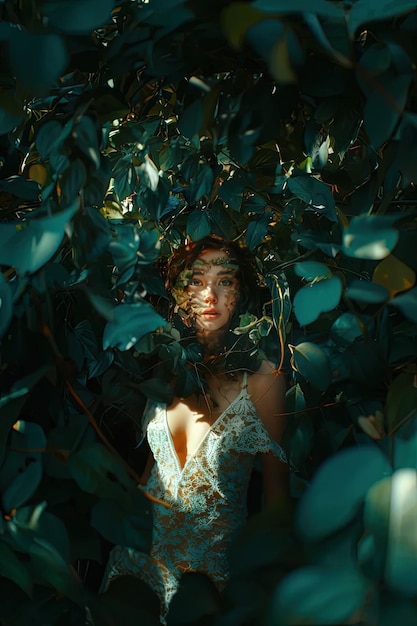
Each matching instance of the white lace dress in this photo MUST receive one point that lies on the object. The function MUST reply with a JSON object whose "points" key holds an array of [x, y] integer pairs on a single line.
{"points": [[207, 498]]}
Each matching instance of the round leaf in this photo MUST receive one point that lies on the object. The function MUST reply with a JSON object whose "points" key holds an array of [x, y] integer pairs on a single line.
{"points": [[394, 275], [345, 330], [337, 490], [312, 300], [370, 237], [407, 303], [29, 244], [77, 16], [198, 225], [132, 530], [365, 291], [130, 323], [14, 569], [37, 60], [312, 363], [401, 564], [309, 270], [312, 595]]}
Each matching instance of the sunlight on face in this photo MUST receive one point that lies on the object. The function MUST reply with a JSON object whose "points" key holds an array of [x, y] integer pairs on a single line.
{"points": [[211, 290]]}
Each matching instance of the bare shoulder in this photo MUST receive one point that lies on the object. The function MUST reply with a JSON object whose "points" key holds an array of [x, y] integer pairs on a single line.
{"points": [[267, 389], [265, 379]]}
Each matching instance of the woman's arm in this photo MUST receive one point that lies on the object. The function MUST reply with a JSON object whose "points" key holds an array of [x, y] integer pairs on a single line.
{"points": [[267, 389]]}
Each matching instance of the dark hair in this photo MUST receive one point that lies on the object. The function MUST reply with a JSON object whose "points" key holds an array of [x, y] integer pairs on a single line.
{"points": [[233, 352]]}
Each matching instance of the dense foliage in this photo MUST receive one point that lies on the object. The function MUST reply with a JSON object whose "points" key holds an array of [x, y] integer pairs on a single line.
{"points": [[126, 126]]}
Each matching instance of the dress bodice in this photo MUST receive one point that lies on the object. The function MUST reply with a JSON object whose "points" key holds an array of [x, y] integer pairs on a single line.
{"points": [[206, 497]]}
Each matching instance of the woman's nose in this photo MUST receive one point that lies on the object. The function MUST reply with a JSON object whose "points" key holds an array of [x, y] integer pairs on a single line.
{"points": [[210, 295]]}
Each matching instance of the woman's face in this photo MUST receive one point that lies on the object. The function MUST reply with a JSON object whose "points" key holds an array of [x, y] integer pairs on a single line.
{"points": [[213, 290]]}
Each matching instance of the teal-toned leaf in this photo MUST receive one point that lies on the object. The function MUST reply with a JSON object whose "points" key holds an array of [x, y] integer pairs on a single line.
{"points": [[23, 486], [129, 324], [8, 121], [405, 444], [321, 7], [312, 363], [77, 16], [338, 489], [98, 471], [21, 187], [367, 291], [231, 192], [365, 11], [317, 241], [50, 568], [380, 117], [37, 60], [6, 305], [257, 230], [401, 564], [309, 270], [370, 237], [407, 303], [131, 529], [86, 135], [27, 245], [401, 401], [314, 595], [316, 195], [49, 137], [14, 569], [74, 179], [202, 184], [346, 329], [376, 60], [190, 121], [149, 246], [312, 300], [198, 225], [396, 610], [21, 472]]}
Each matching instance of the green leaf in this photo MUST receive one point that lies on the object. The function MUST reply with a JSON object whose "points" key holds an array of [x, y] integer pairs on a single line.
{"points": [[37, 60], [367, 291], [98, 471], [21, 187], [365, 11], [129, 324], [310, 270], [321, 7], [128, 600], [50, 568], [190, 121], [316, 195], [338, 489], [312, 300], [346, 329], [312, 363], [197, 598], [131, 529], [257, 230], [6, 305], [198, 225], [77, 16], [401, 401], [370, 236], [314, 595], [401, 564], [14, 569], [407, 303], [27, 245]]}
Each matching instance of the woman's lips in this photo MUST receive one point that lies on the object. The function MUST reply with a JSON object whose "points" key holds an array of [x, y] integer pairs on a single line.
{"points": [[210, 313]]}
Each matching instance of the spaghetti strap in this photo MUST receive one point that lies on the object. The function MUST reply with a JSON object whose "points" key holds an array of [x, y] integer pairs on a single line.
{"points": [[245, 380]]}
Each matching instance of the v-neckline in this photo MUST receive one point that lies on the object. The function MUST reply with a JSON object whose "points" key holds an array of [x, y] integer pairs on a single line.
{"points": [[180, 467]]}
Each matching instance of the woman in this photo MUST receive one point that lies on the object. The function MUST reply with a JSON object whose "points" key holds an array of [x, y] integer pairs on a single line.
{"points": [[203, 446]]}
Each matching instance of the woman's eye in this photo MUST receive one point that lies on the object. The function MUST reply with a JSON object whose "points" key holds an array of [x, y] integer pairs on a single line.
{"points": [[195, 282], [226, 282]]}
